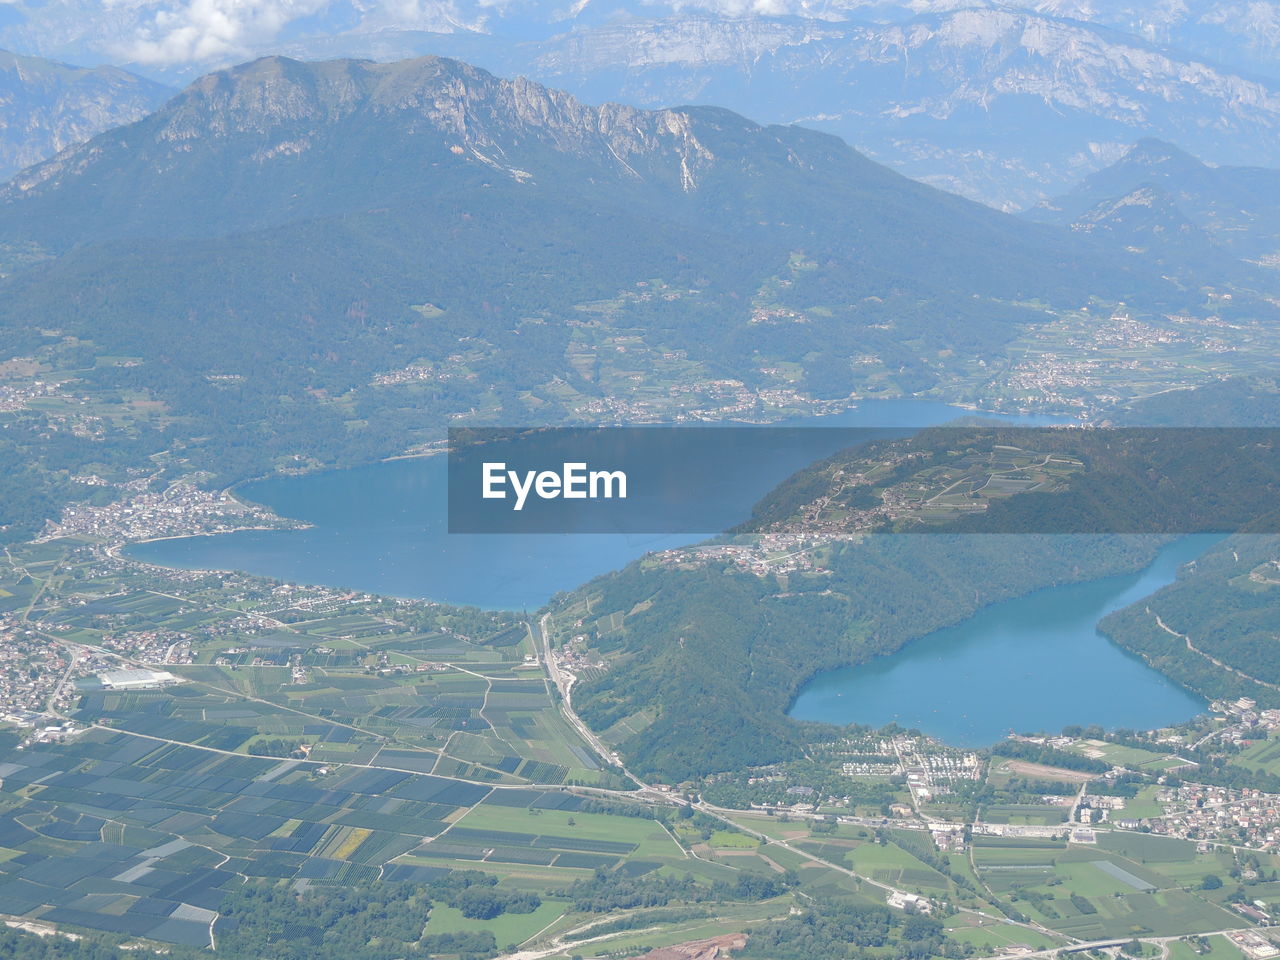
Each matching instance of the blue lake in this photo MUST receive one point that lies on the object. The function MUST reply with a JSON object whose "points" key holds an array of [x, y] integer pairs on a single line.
{"points": [[1036, 663], [383, 528]]}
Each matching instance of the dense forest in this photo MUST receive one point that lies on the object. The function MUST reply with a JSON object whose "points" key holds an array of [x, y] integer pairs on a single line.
{"points": [[21, 945], [1226, 605], [265, 921], [842, 930], [1234, 402], [605, 891], [380, 921]]}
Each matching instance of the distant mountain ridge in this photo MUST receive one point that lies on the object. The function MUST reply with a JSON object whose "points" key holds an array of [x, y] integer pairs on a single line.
{"points": [[1241, 34], [1163, 200], [998, 104], [1003, 102], [278, 122], [47, 106], [278, 112]]}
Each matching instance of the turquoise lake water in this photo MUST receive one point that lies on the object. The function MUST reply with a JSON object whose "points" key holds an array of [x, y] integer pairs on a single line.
{"points": [[1036, 663]]}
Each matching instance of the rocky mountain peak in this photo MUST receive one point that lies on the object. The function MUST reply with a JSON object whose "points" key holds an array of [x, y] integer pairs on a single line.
{"points": [[430, 93], [282, 108], [1169, 158]]}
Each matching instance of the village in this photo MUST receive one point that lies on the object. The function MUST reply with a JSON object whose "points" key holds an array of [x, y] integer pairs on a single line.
{"points": [[180, 509], [1211, 814], [31, 672]]}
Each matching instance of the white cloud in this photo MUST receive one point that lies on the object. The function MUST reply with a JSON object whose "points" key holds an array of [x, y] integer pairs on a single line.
{"points": [[210, 30], [735, 8], [442, 15], [410, 14]]}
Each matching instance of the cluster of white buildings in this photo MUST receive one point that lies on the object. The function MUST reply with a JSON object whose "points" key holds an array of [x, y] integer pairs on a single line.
{"points": [[932, 770], [180, 510], [1254, 945], [137, 679], [424, 373], [31, 668], [14, 397], [152, 646], [911, 902], [763, 554], [1244, 712]]}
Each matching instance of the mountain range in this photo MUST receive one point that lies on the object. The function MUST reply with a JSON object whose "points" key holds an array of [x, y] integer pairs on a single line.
{"points": [[1006, 103], [1242, 34], [534, 255], [998, 104]]}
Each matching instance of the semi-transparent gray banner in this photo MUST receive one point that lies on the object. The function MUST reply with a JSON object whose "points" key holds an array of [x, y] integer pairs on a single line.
{"points": [[717, 479]]}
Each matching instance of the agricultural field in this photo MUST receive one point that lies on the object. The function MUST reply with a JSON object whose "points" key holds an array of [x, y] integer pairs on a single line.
{"points": [[113, 824], [1119, 754], [993, 935], [311, 739], [591, 941], [1219, 948], [127, 834], [1041, 815], [508, 928], [1127, 885], [891, 864], [1144, 804], [427, 688], [1263, 756], [1087, 353]]}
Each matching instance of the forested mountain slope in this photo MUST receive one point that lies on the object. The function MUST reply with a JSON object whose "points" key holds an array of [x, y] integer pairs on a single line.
{"points": [[281, 234], [1214, 629]]}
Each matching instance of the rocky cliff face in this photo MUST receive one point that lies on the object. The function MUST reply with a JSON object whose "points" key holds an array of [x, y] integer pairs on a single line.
{"points": [[1244, 34], [46, 106], [445, 96]]}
